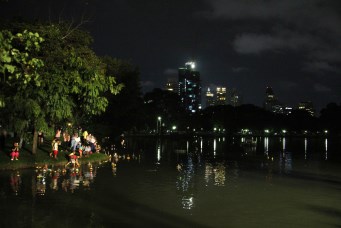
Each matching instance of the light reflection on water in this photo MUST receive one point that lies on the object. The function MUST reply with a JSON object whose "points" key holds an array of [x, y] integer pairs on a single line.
{"points": [[214, 176], [326, 148]]}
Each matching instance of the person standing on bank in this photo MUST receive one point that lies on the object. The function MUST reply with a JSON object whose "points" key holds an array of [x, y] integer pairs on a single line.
{"points": [[15, 152], [55, 144], [58, 133]]}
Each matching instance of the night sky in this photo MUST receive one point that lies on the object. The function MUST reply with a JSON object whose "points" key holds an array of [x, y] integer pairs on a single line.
{"points": [[294, 46]]}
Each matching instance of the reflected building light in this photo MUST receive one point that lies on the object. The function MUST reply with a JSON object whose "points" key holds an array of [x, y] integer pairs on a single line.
{"points": [[266, 146], [223, 139], [187, 146], [283, 142], [187, 202], [208, 172], [305, 148], [214, 147], [242, 139], [158, 153], [326, 147], [185, 184], [219, 175], [201, 143]]}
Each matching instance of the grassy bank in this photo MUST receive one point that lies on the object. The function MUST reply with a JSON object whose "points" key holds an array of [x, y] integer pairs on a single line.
{"points": [[28, 160]]}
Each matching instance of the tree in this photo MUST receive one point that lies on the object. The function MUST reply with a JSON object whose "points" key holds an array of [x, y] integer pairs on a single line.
{"points": [[68, 84], [20, 73], [167, 105], [330, 118], [124, 112]]}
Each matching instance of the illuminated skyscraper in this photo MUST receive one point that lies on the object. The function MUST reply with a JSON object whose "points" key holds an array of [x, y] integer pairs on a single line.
{"points": [[172, 85], [221, 96], [190, 87], [210, 101], [234, 98], [308, 106], [270, 99]]}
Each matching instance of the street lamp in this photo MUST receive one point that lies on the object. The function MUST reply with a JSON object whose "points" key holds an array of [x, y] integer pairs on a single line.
{"points": [[158, 125]]}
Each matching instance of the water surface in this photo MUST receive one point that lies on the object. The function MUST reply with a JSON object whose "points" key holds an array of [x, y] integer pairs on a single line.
{"points": [[194, 182]]}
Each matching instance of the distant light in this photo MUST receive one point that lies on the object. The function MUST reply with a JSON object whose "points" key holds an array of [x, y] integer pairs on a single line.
{"points": [[284, 131], [245, 131], [174, 127], [159, 117], [192, 64], [326, 131], [266, 131]]}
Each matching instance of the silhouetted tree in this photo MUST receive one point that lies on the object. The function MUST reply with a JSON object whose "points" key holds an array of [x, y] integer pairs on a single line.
{"points": [[165, 104]]}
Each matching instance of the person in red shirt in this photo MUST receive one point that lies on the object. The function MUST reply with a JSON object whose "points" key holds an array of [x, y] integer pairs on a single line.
{"points": [[55, 144], [73, 160], [15, 152]]}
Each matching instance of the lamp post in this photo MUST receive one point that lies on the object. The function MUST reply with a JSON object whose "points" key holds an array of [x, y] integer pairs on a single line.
{"points": [[158, 125]]}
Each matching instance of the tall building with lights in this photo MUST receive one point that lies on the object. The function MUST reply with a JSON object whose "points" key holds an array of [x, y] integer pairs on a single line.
{"points": [[307, 106], [270, 101], [221, 96], [172, 85], [234, 98], [210, 100], [190, 87]]}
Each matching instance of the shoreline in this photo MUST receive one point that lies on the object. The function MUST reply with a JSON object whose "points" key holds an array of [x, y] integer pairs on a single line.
{"points": [[25, 164], [28, 160]]}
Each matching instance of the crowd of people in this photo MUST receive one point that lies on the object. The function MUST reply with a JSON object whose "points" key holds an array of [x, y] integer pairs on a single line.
{"points": [[80, 143]]}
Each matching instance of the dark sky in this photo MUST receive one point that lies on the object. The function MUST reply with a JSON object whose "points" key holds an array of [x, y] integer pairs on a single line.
{"points": [[294, 46]]}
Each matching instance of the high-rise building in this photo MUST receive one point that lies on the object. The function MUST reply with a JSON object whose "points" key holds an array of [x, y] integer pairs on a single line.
{"points": [[234, 98], [172, 85], [221, 96], [190, 87], [210, 101], [308, 106], [287, 110], [270, 99]]}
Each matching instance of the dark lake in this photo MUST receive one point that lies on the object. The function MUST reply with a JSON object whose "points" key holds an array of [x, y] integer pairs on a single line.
{"points": [[186, 182]]}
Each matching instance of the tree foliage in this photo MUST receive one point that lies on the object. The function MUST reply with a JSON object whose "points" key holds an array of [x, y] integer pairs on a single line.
{"points": [[167, 105], [50, 76], [124, 112], [20, 71]]}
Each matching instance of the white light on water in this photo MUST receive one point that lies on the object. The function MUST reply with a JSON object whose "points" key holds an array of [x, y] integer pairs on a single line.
{"points": [[201, 143], [305, 148], [214, 147], [326, 147], [266, 145]]}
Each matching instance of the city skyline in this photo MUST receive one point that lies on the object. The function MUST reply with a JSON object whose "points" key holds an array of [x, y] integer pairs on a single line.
{"points": [[292, 46], [222, 95]]}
